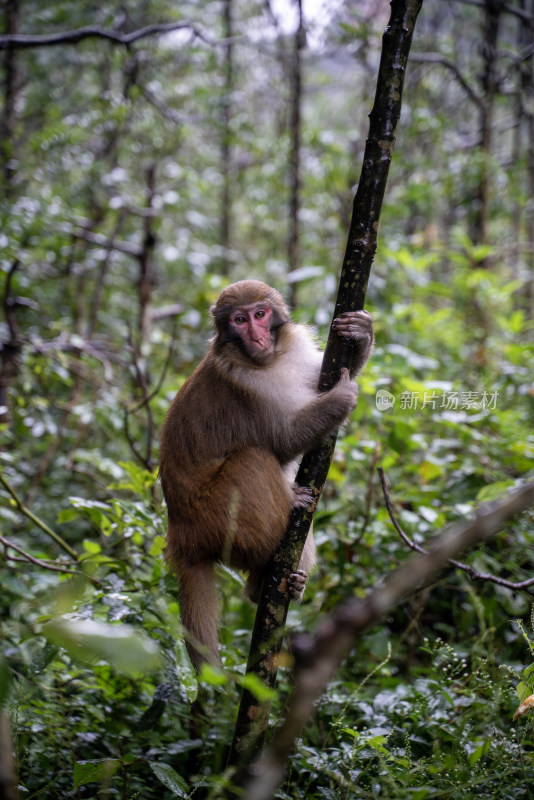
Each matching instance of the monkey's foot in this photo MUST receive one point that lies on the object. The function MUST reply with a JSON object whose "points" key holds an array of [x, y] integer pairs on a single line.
{"points": [[303, 496], [296, 584]]}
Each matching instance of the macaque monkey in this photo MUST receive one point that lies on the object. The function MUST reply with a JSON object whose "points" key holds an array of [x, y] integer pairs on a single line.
{"points": [[230, 444]]}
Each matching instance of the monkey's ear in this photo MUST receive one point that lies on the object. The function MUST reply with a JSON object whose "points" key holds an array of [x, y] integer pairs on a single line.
{"points": [[212, 310]]}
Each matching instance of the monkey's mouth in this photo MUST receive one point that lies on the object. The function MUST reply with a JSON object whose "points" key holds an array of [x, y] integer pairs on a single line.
{"points": [[260, 350]]}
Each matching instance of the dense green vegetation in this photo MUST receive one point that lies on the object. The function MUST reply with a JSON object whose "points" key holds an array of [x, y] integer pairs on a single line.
{"points": [[138, 179]]}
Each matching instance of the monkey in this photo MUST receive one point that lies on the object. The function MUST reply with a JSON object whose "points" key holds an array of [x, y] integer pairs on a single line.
{"points": [[230, 445]]}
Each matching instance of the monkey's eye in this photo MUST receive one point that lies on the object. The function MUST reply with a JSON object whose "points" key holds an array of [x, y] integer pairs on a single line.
{"points": [[259, 314], [239, 319]]}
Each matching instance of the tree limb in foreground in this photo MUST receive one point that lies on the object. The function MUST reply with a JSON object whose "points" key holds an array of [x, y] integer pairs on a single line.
{"points": [[318, 656]]}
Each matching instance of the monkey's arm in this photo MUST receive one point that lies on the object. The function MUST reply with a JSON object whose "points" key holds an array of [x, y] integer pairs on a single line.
{"points": [[357, 326], [310, 424]]}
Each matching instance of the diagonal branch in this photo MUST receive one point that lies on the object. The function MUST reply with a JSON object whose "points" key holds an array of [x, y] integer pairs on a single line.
{"points": [[471, 571], [318, 656], [9, 545]]}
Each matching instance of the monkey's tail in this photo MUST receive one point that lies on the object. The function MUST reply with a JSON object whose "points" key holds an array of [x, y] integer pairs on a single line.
{"points": [[199, 611]]}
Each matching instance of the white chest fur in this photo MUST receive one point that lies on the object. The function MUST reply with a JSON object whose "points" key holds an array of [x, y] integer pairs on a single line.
{"points": [[290, 382]]}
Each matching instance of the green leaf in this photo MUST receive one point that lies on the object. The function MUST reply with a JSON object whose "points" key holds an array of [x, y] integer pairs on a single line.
{"points": [[170, 778], [523, 691], [480, 751], [494, 490], [257, 688], [140, 479], [92, 509], [428, 471], [122, 646], [91, 547], [516, 321], [377, 742], [158, 546], [98, 770], [211, 675], [334, 474]]}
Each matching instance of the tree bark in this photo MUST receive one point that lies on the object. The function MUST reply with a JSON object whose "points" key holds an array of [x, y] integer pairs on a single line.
{"points": [[271, 615], [8, 784]]}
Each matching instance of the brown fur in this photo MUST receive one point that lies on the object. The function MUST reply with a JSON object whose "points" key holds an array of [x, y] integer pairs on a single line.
{"points": [[228, 434]]}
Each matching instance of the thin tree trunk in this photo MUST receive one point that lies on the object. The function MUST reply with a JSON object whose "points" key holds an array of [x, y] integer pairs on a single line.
{"points": [[146, 278], [226, 143], [293, 244], [490, 34], [526, 119], [7, 119], [10, 348], [8, 784], [268, 631]]}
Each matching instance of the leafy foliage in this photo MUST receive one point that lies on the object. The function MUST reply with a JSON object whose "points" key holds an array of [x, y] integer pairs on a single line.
{"points": [[111, 213]]}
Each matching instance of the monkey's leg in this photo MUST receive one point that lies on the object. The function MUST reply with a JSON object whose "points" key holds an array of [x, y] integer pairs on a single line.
{"points": [[302, 498], [264, 503]]}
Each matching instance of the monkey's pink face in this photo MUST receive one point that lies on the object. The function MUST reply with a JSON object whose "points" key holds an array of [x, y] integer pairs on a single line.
{"points": [[253, 325]]}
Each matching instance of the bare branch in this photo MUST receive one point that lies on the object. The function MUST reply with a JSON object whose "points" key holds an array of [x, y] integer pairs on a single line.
{"points": [[8, 544], [148, 397], [39, 522], [96, 32], [162, 312], [437, 58], [94, 305], [471, 571], [102, 241], [520, 13]]}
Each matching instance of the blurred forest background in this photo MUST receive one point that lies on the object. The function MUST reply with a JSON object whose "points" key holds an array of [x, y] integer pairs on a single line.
{"points": [[140, 174]]}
